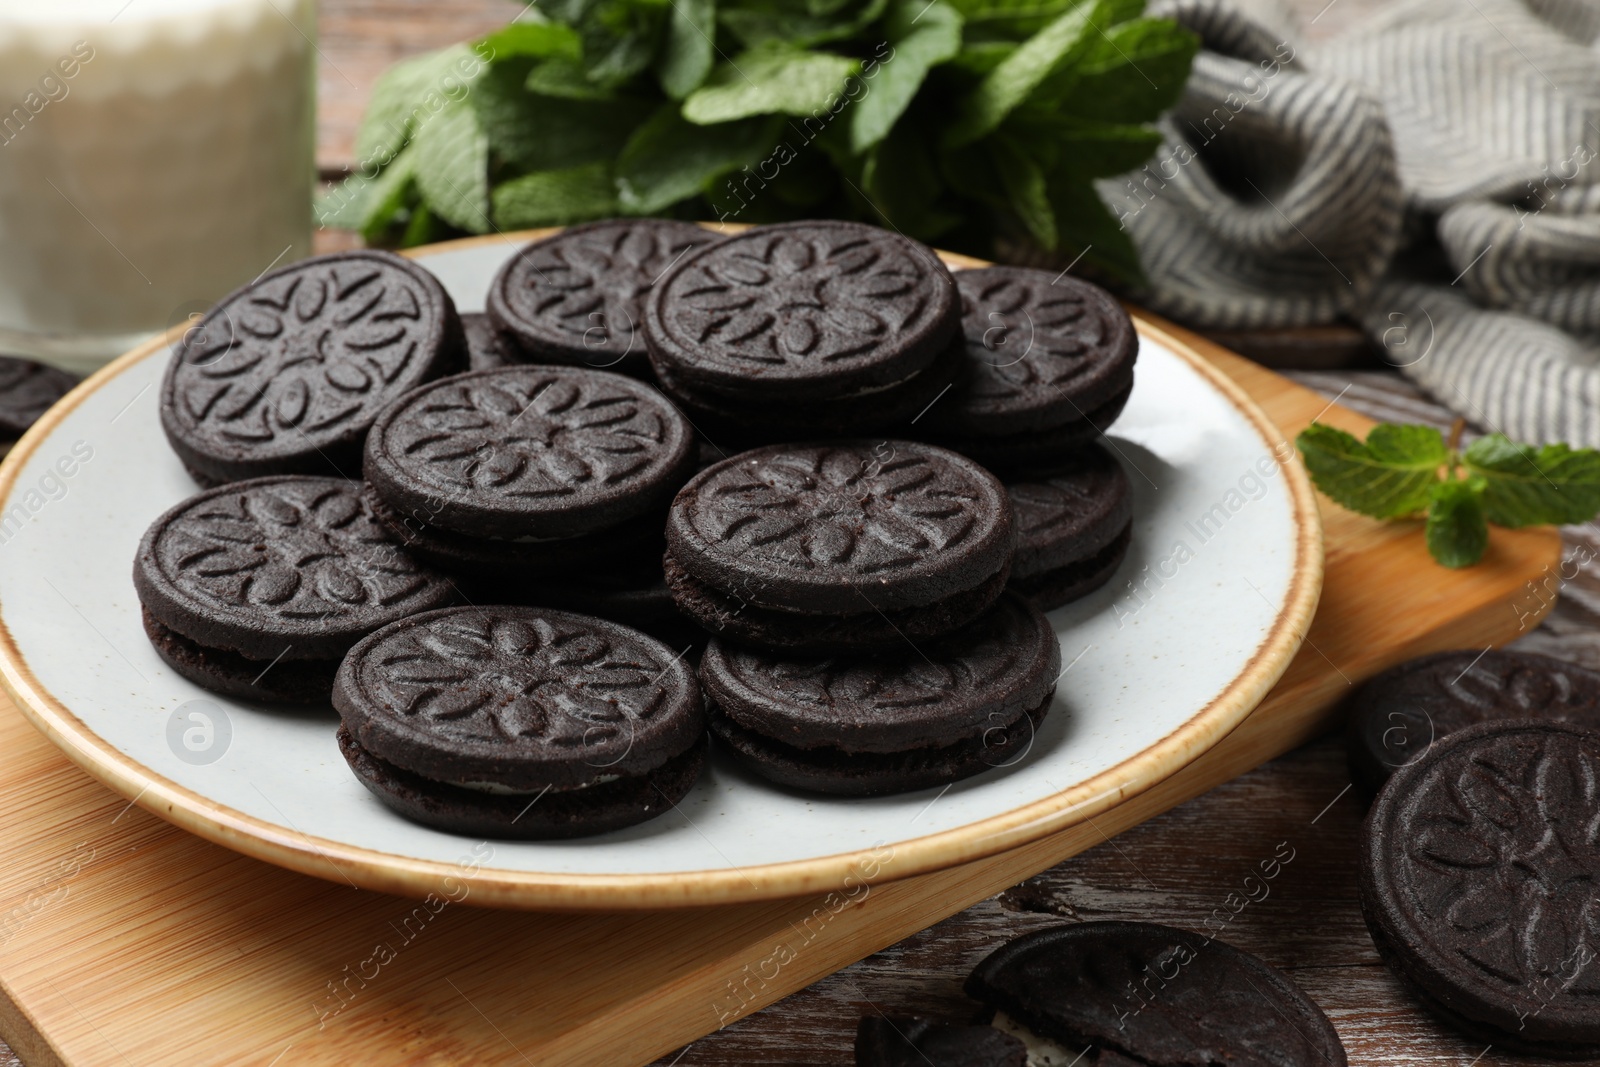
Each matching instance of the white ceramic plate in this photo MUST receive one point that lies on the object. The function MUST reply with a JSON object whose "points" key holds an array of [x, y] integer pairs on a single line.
{"points": [[1201, 620]]}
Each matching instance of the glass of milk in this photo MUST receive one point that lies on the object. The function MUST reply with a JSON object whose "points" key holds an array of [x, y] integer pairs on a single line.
{"points": [[154, 155]]}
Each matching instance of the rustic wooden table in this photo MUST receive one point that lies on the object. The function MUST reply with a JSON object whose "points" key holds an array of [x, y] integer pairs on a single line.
{"points": [[1177, 868]]}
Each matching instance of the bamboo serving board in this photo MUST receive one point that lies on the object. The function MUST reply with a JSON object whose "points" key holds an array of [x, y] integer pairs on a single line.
{"points": [[125, 940]]}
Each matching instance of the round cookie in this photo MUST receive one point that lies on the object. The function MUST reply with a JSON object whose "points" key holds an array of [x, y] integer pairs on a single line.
{"points": [[1021, 457], [486, 349], [530, 452], [285, 375], [838, 545], [909, 1041], [1042, 352], [520, 722], [578, 297], [800, 312], [1153, 994], [1478, 870], [1397, 715], [910, 718], [27, 389], [1073, 529], [258, 588]]}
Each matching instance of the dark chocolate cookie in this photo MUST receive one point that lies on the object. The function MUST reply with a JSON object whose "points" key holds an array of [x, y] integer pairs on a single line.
{"points": [[802, 311], [1155, 995], [1073, 529], [810, 547], [530, 452], [1042, 352], [486, 349], [285, 572], [27, 389], [1030, 456], [285, 375], [910, 718], [1399, 714], [909, 1041], [1479, 870], [578, 297], [471, 719]]}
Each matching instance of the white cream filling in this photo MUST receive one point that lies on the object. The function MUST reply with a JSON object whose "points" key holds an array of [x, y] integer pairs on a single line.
{"points": [[1042, 1052], [507, 791]]}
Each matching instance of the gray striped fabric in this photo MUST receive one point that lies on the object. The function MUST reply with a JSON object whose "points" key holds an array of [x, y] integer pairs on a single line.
{"points": [[1464, 132]]}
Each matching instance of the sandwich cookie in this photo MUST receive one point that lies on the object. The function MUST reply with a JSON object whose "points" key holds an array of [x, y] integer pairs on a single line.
{"points": [[840, 546], [285, 375], [530, 471], [1073, 529], [906, 719], [804, 328], [909, 1041], [518, 722], [27, 390], [258, 588], [1478, 870], [485, 347], [1397, 715], [578, 297], [1049, 365], [1138, 993]]}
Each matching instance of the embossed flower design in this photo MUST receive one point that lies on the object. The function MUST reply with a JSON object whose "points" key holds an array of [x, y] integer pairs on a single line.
{"points": [[478, 678], [594, 286], [308, 352], [538, 437], [303, 553], [1018, 337], [797, 299], [841, 508], [1508, 857]]}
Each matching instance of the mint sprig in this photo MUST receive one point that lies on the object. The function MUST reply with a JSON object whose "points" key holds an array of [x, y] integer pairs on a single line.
{"points": [[975, 124], [1404, 470]]}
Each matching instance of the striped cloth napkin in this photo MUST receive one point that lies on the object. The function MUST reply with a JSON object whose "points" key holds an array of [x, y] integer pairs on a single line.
{"points": [[1433, 174]]}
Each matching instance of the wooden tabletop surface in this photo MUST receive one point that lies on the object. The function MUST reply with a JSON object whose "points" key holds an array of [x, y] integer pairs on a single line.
{"points": [[1178, 868]]}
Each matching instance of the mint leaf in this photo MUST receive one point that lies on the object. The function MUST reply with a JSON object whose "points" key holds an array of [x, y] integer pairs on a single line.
{"points": [[408, 94], [542, 133], [1027, 191], [1083, 150], [1087, 227], [687, 52], [541, 39], [452, 167], [1390, 476], [901, 180], [922, 35], [669, 159], [1528, 486], [1456, 532], [1132, 73], [761, 24], [1019, 18], [1016, 77], [555, 198], [773, 80], [371, 205], [564, 79]]}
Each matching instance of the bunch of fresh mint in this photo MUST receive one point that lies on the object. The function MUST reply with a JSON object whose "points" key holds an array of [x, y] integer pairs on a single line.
{"points": [[1401, 471], [956, 121]]}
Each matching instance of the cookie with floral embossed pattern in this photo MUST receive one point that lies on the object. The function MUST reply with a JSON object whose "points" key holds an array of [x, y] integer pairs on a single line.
{"points": [[27, 389], [903, 719], [578, 297], [520, 722], [257, 588], [839, 545], [834, 325], [1129, 993], [1397, 715], [285, 375], [1480, 883], [1073, 529]]}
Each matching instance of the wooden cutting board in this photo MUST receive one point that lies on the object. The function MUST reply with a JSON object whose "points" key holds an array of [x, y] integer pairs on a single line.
{"points": [[124, 940]]}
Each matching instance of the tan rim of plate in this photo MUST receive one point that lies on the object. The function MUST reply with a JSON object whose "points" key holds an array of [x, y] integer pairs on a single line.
{"points": [[381, 871]]}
